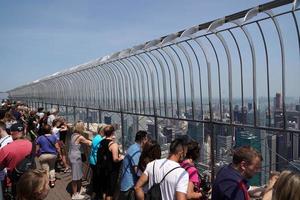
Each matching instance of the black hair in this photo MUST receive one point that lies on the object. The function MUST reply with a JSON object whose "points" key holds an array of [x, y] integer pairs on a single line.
{"points": [[177, 145], [140, 135], [193, 151]]}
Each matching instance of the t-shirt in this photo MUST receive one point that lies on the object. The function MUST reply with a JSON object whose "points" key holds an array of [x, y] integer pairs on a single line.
{"points": [[94, 149], [193, 173], [227, 185], [50, 119], [47, 146], [3, 142], [56, 132], [13, 153], [176, 181], [128, 176]]}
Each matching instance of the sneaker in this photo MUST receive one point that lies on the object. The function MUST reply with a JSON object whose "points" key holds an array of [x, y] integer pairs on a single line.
{"points": [[82, 190], [77, 196]]}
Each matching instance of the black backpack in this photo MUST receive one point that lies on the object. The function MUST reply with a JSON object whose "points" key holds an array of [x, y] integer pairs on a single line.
{"points": [[154, 193], [26, 164]]}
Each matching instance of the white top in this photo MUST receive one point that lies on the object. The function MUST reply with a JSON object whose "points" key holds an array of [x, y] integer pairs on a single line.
{"points": [[175, 181], [50, 119], [40, 114], [4, 141]]}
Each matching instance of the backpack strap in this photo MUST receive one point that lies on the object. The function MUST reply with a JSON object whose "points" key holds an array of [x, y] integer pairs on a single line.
{"points": [[168, 173], [242, 186]]}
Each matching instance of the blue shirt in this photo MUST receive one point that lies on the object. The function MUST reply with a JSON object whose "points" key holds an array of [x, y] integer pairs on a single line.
{"points": [[94, 149], [129, 177], [227, 185], [47, 144]]}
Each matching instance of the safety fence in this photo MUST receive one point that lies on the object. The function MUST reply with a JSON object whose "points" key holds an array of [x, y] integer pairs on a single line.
{"points": [[225, 83]]}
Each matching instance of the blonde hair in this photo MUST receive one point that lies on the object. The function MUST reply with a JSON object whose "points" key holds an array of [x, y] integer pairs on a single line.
{"points": [[32, 184], [79, 127], [287, 186]]}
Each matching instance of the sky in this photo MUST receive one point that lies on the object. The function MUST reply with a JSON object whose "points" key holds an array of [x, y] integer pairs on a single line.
{"points": [[39, 38]]}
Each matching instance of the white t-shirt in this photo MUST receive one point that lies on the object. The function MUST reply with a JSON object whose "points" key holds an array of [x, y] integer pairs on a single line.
{"points": [[4, 141], [50, 119], [56, 132], [175, 181]]}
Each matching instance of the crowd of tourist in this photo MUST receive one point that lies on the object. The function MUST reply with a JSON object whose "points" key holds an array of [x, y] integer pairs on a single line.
{"points": [[138, 173]]}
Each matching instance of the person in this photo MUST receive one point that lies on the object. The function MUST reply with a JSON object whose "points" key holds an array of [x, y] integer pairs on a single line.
{"points": [[4, 140], [93, 159], [232, 180], [151, 151], [47, 148], [175, 182], [32, 124], [9, 119], [13, 153], [130, 165], [52, 116], [33, 185], [267, 192], [77, 140], [287, 186], [108, 174], [193, 153]]}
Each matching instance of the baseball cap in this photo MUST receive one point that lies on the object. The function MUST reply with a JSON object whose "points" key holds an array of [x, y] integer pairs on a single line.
{"points": [[17, 127]]}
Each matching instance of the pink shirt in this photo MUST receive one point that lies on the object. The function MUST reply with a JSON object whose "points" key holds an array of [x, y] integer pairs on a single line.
{"points": [[193, 173], [13, 153]]}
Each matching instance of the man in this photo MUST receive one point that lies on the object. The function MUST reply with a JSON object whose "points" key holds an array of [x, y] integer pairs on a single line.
{"points": [[4, 140], [232, 180], [129, 168], [175, 184], [15, 152]]}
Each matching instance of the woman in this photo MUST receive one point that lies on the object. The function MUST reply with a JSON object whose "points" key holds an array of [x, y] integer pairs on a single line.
{"points": [[75, 159], [287, 186], [47, 148], [99, 136], [151, 151], [188, 164], [33, 185], [108, 174]]}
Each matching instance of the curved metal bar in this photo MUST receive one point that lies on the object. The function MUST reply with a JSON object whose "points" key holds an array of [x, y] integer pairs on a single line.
{"points": [[101, 83], [152, 86], [297, 29], [109, 91], [93, 89], [268, 74], [163, 80], [219, 76], [139, 59], [199, 74], [133, 85], [123, 85], [183, 75], [181, 47], [275, 22], [88, 83], [158, 82], [174, 65], [170, 81], [140, 81], [208, 76], [114, 87]]}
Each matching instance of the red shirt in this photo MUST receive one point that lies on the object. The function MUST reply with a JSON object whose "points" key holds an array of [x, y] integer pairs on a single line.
{"points": [[13, 153]]}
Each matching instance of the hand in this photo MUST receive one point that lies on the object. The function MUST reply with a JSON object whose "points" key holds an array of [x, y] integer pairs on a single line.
{"points": [[121, 157]]}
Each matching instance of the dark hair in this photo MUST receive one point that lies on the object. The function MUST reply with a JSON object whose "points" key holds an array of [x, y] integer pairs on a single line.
{"points": [[177, 145], [46, 129], [40, 109], [108, 130], [140, 135], [150, 152], [245, 153], [193, 151]]}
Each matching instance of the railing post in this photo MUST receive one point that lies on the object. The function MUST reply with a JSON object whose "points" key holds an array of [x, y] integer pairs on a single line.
{"points": [[212, 152], [122, 131], [67, 113], [74, 114], [100, 116], [87, 118]]}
